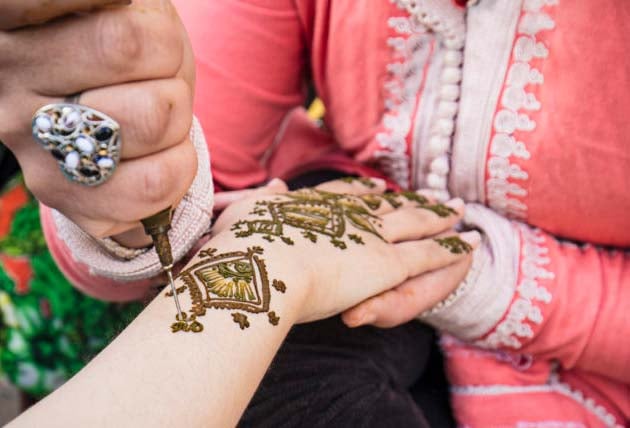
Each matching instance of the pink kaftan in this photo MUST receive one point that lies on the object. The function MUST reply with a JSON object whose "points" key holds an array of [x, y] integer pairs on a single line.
{"points": [[520, 107]]}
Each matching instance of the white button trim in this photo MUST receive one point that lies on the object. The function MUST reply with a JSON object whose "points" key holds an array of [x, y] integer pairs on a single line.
{"points": [[506, 182]]}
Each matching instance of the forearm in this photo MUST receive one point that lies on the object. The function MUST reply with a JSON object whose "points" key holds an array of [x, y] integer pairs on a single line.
{"points": [[150, 376]]}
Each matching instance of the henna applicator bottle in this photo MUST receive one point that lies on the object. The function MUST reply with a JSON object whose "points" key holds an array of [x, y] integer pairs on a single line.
{"points": [[157, 227]]}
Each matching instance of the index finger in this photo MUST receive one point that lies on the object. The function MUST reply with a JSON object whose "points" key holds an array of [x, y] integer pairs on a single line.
{"points": [[21, 13]]}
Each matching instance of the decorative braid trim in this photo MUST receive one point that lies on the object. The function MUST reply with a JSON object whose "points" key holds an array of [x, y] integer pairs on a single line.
{"points": [[503, 190], [411, 51], [550, 424], [588, 403], [121, 251], [415, 47], [523, 310], [451, 31], [553, 385]]}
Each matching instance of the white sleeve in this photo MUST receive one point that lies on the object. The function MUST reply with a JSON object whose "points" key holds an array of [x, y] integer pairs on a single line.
{"points": [[482, 299]]}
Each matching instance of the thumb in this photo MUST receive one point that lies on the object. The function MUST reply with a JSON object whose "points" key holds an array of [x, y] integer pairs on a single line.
{"points": [[224, 199]]}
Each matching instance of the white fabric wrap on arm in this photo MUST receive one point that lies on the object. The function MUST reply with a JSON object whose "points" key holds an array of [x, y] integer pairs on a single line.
{"points": [[482, 299], [191, 220]]}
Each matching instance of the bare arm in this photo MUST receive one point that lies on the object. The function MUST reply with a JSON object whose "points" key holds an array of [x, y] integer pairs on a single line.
{"points": [[273, 262], [150, 376]]}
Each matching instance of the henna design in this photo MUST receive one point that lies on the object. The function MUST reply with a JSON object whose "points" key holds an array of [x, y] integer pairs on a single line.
{"points": [[356, 238], [414, 197], [207, 253], [273, 318], [310, 236], [440, 209], [241, 320], [365, 181], [372, 201], [178, 290], [232, 281], [187, 324], [315, 212], [287, 240], [279, 285], [454, 244]]}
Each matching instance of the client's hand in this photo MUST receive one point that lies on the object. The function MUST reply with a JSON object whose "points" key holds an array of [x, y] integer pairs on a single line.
{"points": [[273, 261], [416, 295], [342, 248]]}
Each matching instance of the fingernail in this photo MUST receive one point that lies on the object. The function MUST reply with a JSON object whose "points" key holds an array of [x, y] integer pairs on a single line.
{"points": [[472, 237], [275, 182], [378, 181], [456, 203]]}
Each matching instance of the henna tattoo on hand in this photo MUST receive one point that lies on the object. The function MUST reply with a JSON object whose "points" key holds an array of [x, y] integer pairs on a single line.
{"points": [[186, 324], [316, 213], [356, 238], [454, 244], [363, 180], [273, 318], [232, 281], [241, 320], [440, 209], [279, 285], [178, 290]]}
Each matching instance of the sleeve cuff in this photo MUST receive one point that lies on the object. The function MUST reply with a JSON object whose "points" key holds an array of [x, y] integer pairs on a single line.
{"points": [[191, 220], [482, 299]]}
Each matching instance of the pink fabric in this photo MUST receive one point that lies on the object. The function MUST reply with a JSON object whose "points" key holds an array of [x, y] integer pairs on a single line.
{"points": [[579, 321], [261, 93], [79, 274], [253, 57], [577, 171], [493, 389], [580, 148]]}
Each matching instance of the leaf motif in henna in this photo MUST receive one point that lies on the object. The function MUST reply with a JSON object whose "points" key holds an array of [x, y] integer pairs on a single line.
{"points": [[315, 212], [454, 244]]}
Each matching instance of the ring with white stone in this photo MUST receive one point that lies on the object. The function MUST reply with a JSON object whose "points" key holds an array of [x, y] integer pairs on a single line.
{"points": [[85, 142]]}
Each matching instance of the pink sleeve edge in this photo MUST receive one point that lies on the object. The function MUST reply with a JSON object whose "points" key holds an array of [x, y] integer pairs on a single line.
{"points": [[79, 274]]}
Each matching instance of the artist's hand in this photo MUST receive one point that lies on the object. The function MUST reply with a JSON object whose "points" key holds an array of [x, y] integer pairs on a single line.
{"points": [[347, 248], [132, 62]]}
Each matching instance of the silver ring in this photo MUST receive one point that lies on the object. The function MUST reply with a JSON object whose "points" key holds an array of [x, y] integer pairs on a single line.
{"points": [[85, 142]]}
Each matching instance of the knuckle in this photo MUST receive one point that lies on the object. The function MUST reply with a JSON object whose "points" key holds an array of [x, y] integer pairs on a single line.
{"points": [[156, 184], [152, 119], [169, 43], [184, 98], [42, 189], [119, 42], [189, 163], [126, 39]]}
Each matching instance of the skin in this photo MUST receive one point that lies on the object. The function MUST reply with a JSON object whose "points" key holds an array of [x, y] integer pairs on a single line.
{"points": [[139, 379]]}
